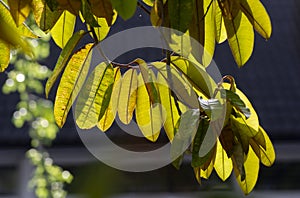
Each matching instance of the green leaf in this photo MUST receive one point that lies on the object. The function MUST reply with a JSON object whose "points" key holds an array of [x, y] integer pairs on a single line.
{"points": [[43, 15], [258, 16], [220, 30], [63, 59], [103, 9], [181, 13], [223, 164], [52, 4], [202, 28], [236, 101], [10, 34], [266, 153], [94, 98], [196, 75], [4, 55], [251, 173], [87, 14], [187, 129], [240, 38], [19, 10], [109, 116], [63, 30], [127, 97], [238, 161], [149, 117], [125, 8], [168, 104], [197, 143], [71, 83]]}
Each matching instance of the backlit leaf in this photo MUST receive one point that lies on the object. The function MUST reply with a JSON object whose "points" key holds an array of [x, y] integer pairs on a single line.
{"points": [[223, 164], [202, 28], [149, 116], [72, 6], [4, 55], [71, 83], [187, 129], [251, 170], [240, 38], [108, 118], [87, 14], [103, 9], [63, 30], [258, 16], [63, 59], [238, 161], [127, 97], [181, 13], [43, 15], [156, 13], [19, 10], [125, 8], [266, 155], [220, 31], [94, 97]]}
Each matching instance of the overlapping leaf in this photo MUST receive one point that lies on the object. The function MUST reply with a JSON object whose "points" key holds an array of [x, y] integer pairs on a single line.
{"points": [[63, 59], [94, 98], [125, 8], [63, 30], [19, 10], [4, 55], [71, 83], [220, 31], [103, 9], [223, 164], [127, 96], [108, 118]]}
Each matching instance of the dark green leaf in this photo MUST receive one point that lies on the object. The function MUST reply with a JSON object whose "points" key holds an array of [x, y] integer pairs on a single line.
{"points": [[87, 14], [125, 8]]}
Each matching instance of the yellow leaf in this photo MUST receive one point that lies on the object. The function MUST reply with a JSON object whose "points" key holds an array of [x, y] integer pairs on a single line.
{"points": [[168, 104], [94, 97], [266, 155], [252, 121], [63, 30], [258, 16], [220, 30], [108, 118], [4, 55], [223, 164], [208, 167], [251, 170], [149, 117], [71, 83], [240, 37], [202, 28], [127, 97], [43, 16], [19, 10]]}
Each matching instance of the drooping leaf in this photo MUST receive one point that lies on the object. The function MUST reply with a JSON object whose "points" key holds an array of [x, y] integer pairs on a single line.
{"points": [[108, 118], [156, 13], [220, 31], [230, 8], [103, 9], [202, 28], [52, 4], [4, 55], [187, 129], [125, 8], [149, 116], [197, 143], [43, 15], [236, 101], [240, 38], [227, 140], [266, 155], [241, 125], [208, 167], [63, 30], [19, 10], [258, 16], [251, 170], [63, 59], [238, 161], [252, 121], [87, 14], [196, 75], [71, 83], [72, 6], [168, 103], [10, 34], [94, 98], [181, 13], [127, 97], [223, 164]]}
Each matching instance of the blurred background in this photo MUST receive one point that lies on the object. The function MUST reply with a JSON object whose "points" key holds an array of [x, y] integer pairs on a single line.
{"points": [[270, 79]]}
